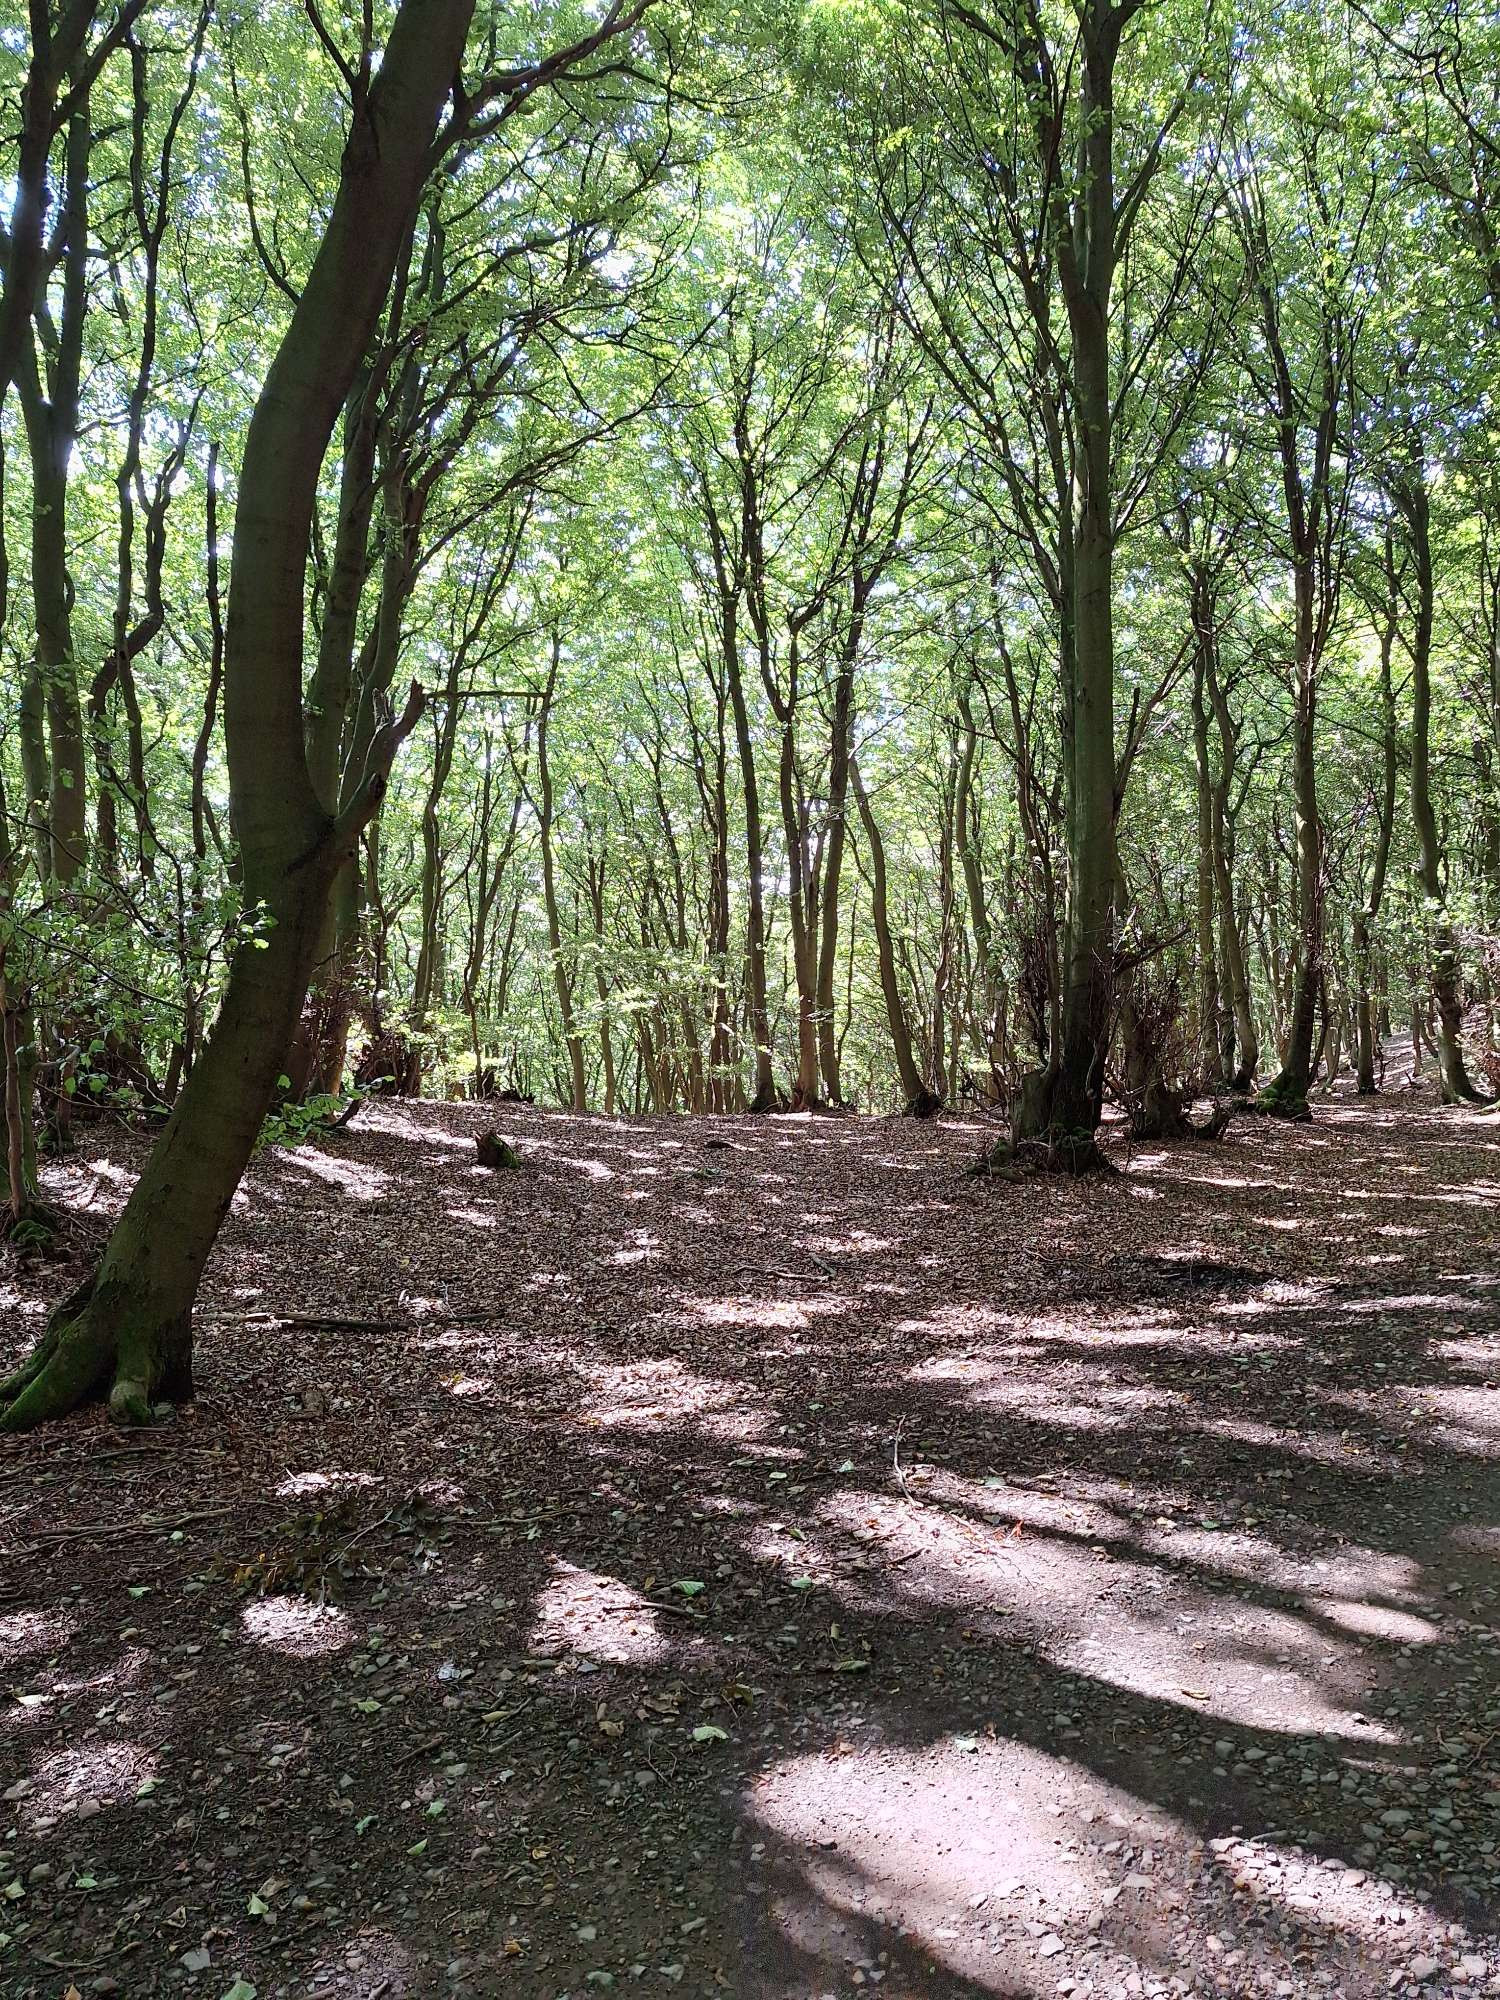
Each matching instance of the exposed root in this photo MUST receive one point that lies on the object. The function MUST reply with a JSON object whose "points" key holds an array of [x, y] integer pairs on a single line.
{"points": [[1281, 1100], [1076, 1154], [36, 1229], [94, 1346]]}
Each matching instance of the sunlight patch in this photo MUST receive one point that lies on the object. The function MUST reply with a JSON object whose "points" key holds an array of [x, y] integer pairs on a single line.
{"points": [[351, 1177], [1376, 1621], [91, 1776], [644, 1394], [793, 1315], [936, 1839], [597, 1616], [297, 1627], [299, 1484], [23, 1634]]}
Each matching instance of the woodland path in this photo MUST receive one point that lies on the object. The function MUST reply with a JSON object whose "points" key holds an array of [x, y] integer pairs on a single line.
{"points": [[748, 1557]]}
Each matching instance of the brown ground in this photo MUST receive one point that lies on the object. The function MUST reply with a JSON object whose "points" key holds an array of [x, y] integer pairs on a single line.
{"points": [[754, 1559]]}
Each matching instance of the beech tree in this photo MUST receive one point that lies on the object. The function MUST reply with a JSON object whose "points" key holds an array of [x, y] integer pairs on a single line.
{"points": [[129, 1327], [964, 576]]}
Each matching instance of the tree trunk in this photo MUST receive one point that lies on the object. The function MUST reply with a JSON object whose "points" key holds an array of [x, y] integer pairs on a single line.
{"points": [[1286, 1094], [1453, 1076], [1063, 1106], [51, 426], [127, 1330], [1210, 1029], [1366, 1027], [763, 1097], [572, 1040], [833, 873], [922, 1100]]}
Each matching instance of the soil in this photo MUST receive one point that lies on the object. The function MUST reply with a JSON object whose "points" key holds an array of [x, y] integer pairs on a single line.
{"points": [[750, 1557]]}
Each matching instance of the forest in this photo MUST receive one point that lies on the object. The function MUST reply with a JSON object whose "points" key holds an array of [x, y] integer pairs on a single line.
{"points": [[750, 979]]}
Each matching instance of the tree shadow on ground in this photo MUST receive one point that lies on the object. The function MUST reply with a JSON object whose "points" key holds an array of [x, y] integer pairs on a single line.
{"points": [[790, 1568]]}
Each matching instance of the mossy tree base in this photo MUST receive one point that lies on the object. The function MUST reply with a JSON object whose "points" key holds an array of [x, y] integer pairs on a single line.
{"points": [[497, 1154], [1077, 1154], [95, 1349], [1285, 1098], [35, 1228]]}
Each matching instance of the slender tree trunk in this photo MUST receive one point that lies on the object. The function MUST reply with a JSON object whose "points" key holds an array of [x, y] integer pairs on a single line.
{"points": [[1366, 1027], [1286, 1094], [51, 416], [127, 1331], [922, 1100], [833, 873], [562, 981], [1210, 1027], [1453, 1076], [764, 1096]]}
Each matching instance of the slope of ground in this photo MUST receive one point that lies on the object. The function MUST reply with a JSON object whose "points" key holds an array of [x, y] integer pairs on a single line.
{"points": [[748, 1557]]}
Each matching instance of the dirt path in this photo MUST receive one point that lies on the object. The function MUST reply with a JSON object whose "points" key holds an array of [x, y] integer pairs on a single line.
{"points": [[749, 1558]]}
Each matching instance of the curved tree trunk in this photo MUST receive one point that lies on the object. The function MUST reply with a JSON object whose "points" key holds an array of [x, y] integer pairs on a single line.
{"points": [[127, 1331]]}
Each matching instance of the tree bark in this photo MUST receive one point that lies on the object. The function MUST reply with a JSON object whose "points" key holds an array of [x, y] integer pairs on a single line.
{"points": [[1062, 1106], [127, 1331], [1453, 1076], [922, 1099]]}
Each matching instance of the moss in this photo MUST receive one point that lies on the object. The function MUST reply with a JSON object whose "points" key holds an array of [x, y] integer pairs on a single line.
{"points": [[1283, 1098]]}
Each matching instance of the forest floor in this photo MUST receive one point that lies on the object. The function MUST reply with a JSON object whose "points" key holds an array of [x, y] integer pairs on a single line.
{"points": [[751, 1558]]}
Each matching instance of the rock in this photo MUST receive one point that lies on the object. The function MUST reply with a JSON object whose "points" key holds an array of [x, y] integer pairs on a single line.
{"points": [[1422, 1967]]}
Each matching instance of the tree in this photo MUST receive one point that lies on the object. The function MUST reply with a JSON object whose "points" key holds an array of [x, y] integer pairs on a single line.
{"points": [[128, 1329]]}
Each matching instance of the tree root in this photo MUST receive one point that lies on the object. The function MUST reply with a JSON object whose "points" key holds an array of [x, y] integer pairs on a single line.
{"points": [[94, 1346], [1281, 1100], [1169, 1119], [37, 1228], [1077, 1154]]}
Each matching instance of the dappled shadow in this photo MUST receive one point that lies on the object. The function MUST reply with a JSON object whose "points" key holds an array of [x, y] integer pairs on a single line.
{"points": [[749, 1551]]}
